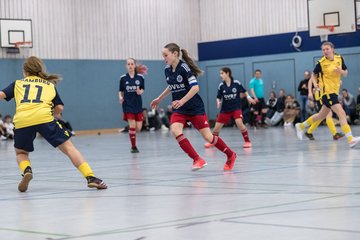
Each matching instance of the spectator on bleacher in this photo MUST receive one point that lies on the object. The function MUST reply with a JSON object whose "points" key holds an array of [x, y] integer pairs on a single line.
{"points": [[9, 127], [245, 108], [2, 129], [311, 105], [303, 89], [349, 105], [271, 105], [291, 111], [280, 106]]}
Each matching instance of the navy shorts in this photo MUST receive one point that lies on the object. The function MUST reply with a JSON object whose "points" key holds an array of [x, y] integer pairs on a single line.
{"points": [[51, 131], [330, 99]]}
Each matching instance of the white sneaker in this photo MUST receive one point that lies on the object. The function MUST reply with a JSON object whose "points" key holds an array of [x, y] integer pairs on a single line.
{"points": [[3, 137], [354, 141], [163, 127], [299, 132]]}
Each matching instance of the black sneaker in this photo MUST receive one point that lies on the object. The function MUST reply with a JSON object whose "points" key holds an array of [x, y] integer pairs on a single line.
{"points": [[134, 150], [24, 183], [309, 136], [338, 136], [94, 182]]}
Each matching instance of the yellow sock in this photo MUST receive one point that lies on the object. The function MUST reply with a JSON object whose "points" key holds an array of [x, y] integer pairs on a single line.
{"points": [[307, 123], [85, 170], [331, 125], [23, 165], [347, 131], [313, 126]]}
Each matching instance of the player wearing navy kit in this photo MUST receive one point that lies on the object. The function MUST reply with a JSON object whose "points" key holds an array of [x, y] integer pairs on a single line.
{"points": [[228, 98], [130, 90], [188, 105]]}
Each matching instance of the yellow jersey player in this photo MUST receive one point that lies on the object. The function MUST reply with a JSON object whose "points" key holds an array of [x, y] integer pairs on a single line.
{"points": [[37, 101], [329, 118], [329, 70]]}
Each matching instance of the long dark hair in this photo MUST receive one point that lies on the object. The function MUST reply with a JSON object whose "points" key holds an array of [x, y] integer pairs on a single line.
{"points": [[34, 66], [228, 71], [173, 47]]}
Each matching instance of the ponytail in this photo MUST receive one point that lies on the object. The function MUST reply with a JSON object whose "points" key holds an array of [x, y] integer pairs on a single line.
{"points": [[173, 47], [194, 68], [34, 66]]}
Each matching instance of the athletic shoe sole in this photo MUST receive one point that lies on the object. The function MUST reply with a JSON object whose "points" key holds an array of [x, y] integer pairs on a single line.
{"points": [[24, 184]]}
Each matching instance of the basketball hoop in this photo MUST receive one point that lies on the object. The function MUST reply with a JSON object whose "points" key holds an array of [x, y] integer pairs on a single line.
{"points": [[324, 37], [18, 48], [330, 27]]}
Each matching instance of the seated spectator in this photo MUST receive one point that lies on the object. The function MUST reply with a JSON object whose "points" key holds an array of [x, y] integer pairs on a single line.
{"points": [[245, 108], [271, 104], [9, 127], [280, 106], [2, 129], [165, 122], [291, 111], [349, 105], [311, 105]]}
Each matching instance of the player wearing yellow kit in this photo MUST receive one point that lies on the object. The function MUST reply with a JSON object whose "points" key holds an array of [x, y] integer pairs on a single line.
{"points": [[329, 120], [329, 70], [37, 101]]}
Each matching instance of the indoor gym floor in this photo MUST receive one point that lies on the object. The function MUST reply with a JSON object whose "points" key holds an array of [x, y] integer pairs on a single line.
{"points": [[280, 189]]}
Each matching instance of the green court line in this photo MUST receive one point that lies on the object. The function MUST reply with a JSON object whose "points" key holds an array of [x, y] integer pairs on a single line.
{"points": [[34, 232]]}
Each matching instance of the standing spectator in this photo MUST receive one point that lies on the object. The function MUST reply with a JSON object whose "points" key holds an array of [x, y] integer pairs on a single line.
{"points": [[280, 106], [257, 91], [303, 89], [165, 122], [349, 104]]}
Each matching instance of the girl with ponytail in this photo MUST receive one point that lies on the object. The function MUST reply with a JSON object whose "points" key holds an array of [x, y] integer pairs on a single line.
{"points": [[181, 75]]}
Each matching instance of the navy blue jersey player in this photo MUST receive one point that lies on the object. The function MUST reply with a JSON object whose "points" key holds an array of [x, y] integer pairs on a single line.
{"points": [[131, 88], [228, 99], [188, 105]]}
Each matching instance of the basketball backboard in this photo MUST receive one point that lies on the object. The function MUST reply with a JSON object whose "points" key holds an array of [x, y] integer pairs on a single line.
{"points": [[327, 17], [13, 31]]}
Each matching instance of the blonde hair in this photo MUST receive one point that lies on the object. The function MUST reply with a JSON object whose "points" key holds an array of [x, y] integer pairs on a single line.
{"points": [[34, 66], [173, 47]]}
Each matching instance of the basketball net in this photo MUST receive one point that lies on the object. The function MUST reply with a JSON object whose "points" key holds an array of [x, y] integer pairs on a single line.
{"points": [[24, 48], [324, 38]]}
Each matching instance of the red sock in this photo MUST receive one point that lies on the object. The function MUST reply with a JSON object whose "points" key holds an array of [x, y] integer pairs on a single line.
{"points": [[219, 144], [245, 135], [187, 147], [132, 135]]}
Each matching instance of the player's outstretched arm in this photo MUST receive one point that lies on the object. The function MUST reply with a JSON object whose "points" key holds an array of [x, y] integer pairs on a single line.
{"points": [[154, 103]]}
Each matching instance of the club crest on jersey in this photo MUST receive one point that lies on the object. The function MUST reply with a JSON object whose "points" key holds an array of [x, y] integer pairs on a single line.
{"points": [[126, 82], [234, 90], [137, 82], [179, 78]]}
